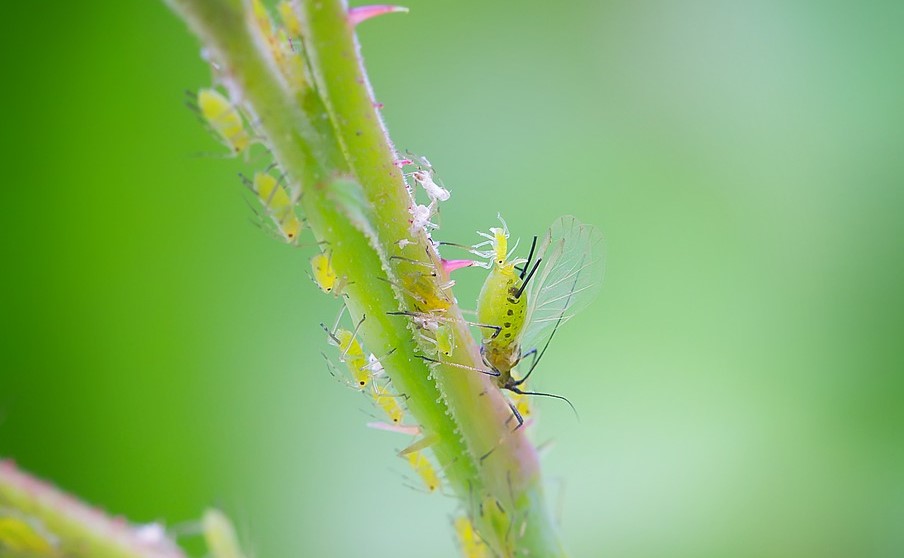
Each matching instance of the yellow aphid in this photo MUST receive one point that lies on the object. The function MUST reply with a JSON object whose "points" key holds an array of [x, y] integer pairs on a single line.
{"points": [[472, 546], [571, 254], [502, 302], [220, 536], [290, 63], [278, 204], [427, 297], [352, 354], [492, 513], [282, 52], [262, 17], [22, 539], [354, 357], [224, 118], [445, 339], [325, 276], [389, 402], [289, 18], [424, 469]]}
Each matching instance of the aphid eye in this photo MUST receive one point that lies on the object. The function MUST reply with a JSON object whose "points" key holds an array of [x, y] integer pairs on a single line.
{"points": [[361, 383]]}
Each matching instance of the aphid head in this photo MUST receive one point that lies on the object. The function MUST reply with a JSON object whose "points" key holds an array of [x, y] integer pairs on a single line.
{"points": [[500, 245]]}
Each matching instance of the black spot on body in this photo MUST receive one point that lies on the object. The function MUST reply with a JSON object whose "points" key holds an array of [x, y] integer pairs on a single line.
{"points": [[509, 313]]}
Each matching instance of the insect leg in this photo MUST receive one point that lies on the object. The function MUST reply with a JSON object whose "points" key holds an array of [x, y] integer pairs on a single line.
{"points": [[565, 399], [494, 373]]}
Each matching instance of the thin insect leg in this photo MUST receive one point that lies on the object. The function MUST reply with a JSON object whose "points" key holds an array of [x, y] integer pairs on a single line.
{"points": [[529, 276], [540, 393], [379, 361], [422, 300], [501, 441], [330, 334], [494, 373], [433, 317], [416, 262], [247, 182], [331, 368], [283, 179], [533, 352], [470, 247], [339, 317], [354, 336], [516, 414]]}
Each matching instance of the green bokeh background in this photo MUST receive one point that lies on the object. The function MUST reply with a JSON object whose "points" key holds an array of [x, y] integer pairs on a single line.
{"points": [[739, 380]]}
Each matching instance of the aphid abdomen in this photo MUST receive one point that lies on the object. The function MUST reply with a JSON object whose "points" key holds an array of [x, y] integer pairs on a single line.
{"points": [[324, 275], [278, 204], [224, 119], [500, 306]]}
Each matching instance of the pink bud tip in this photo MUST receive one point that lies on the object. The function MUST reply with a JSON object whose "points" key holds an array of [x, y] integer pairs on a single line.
{"points": [[363, 13], [451, 265]]}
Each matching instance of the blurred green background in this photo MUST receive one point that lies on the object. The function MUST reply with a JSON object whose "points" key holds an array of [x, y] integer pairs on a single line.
{"points": [[739, 380]]}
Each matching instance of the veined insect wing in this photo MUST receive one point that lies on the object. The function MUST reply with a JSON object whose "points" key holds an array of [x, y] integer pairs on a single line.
{"points": [[569, 280]]}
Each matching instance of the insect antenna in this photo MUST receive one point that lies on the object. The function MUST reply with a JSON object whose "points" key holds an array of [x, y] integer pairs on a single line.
{"points": [[565, 399]]}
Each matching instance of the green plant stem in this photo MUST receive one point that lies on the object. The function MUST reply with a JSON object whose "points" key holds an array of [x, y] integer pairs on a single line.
{"points": [[77, 529], [357, 204]]}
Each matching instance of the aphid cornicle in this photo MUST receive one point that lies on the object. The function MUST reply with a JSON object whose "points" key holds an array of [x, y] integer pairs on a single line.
{"points": [[224, 119]]}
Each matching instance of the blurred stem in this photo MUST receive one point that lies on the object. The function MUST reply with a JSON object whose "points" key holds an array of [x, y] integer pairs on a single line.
{"points": [[356, 203], [74, 530]]}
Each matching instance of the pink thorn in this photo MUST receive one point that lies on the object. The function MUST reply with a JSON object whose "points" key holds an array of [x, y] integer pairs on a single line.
{"points": [[400, 428], [402, 162], [451, 265], [378, 106], [363, 13]]}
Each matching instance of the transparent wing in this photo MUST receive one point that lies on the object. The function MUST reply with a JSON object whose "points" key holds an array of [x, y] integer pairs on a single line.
{"points": [[569, 277]]}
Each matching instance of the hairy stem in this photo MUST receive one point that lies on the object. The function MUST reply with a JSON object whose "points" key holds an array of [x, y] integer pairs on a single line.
{"points": [[39, 520], [357, 205]]}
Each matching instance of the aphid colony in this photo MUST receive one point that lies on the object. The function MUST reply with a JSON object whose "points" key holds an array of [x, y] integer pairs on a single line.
{"points": [[225, 116], [522, 303]]}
